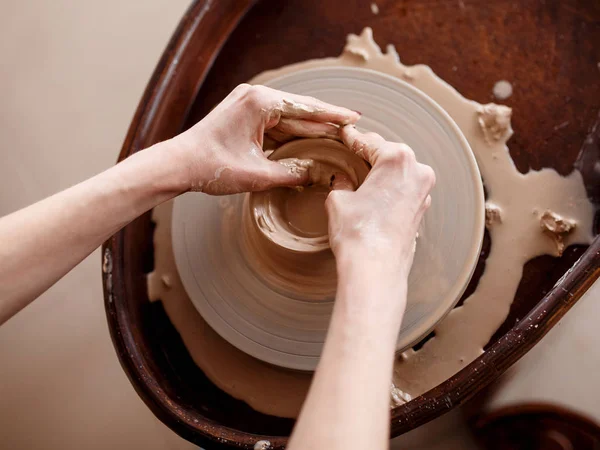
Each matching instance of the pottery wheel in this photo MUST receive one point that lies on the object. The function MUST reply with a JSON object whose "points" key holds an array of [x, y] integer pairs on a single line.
{"points": [[283, 324]]}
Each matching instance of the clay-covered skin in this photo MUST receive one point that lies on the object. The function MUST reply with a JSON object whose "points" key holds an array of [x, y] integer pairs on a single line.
{"points": [[516, 238], [218, 161]]}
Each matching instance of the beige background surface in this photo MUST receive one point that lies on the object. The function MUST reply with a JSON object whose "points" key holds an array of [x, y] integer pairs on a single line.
{"points": [[71, 74]]}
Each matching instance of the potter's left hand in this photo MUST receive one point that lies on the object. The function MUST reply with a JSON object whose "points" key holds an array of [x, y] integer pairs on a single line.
{"points": [[222, 154]]}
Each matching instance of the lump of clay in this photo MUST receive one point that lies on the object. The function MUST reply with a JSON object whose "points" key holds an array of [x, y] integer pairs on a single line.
{"points": [[494, 121], [557, 228], [493, 214]]}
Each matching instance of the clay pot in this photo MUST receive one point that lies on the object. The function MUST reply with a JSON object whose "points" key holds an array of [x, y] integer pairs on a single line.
{"points": [[288, 227], [271, 210]]}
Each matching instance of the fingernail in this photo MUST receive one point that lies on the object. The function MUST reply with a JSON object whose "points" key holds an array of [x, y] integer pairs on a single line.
{"points": [[357, 112]]}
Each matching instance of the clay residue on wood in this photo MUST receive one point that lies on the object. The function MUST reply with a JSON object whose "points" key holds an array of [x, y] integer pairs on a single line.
{"points": [[557, 228], [494, 121], [493, 214]]}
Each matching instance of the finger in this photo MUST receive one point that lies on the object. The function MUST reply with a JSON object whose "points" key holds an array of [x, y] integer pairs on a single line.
{"points": [[278, 136], [307, 128], [288, 172], [301, 107], [341, 182], [365, 146], [296, 106]]}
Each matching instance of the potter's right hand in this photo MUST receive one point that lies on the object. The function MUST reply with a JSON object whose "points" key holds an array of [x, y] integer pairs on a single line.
{"points": [[379, 221]]}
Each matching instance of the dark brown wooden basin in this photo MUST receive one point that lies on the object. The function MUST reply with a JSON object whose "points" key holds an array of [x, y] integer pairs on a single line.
{"points": [[548, 49]]}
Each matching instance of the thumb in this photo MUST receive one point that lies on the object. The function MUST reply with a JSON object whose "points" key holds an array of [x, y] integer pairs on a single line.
{"points": [[341, 186]]}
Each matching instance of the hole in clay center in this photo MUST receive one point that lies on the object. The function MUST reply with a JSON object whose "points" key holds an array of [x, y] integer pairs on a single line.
{"points": [[304, 211]]}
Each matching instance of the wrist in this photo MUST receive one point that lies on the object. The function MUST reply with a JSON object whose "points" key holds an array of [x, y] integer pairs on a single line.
{"points": [[373, 293], [161, 169], [383, 262]]}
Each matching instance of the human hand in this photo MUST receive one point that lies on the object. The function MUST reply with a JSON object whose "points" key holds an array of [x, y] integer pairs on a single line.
{"points": [[223, 154], [379, 220]]}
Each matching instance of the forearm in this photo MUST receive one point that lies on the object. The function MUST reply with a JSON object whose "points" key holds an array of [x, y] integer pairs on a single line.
{"points": [[44, 241], [348, 402]]}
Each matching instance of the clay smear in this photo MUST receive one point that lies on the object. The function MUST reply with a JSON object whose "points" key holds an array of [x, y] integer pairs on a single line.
{"points": [[516, 205]]}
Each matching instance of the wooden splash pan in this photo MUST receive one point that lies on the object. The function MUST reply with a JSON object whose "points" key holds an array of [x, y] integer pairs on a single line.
{"points": [[547, 49]]}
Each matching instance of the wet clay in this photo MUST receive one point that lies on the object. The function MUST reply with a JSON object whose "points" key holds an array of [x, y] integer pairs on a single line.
{"points": [[303, 210], [295, 218], [284, 230], [516, 205]]}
